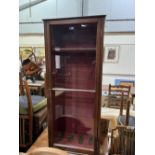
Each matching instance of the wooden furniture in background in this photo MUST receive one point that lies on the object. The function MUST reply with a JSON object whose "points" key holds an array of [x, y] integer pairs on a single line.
{"points": [[131, 84], [28, 61], [74, 48], [30, 69], [127, 83], [37, 86], [25, 121], [118, 94], [104, 127], [39, 122], [133, 97], [127, 112], [126, 119], [27, 53], [123, 143], [31, 123]]}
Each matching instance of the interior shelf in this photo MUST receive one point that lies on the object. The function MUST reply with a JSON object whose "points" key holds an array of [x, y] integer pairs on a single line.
{"points": [[77, 49], [75, 141], [73, 90]]}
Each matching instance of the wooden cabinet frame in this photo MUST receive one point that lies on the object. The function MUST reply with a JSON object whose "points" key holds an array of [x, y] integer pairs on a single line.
{"points": [[49, 43]]}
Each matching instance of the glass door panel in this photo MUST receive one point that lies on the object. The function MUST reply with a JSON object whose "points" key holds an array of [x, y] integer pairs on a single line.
{"points": [[74, 119], [72, 36], [75, 71]]}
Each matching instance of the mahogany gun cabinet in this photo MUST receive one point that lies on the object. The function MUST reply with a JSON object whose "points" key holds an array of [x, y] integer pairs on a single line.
{"points": [[74, 49]]}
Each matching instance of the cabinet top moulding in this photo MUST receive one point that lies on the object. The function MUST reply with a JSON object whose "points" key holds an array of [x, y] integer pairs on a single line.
{"points": [[86, 19]]}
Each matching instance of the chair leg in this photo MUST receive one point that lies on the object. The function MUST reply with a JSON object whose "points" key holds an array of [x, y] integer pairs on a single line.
{"points": [[30, 131]]}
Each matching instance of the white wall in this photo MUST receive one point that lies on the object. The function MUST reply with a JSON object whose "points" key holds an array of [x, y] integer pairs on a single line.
{"points": [[31, 40], [125, 68]]}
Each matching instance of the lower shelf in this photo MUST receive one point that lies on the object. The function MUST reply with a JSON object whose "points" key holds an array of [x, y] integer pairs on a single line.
{"points": [[75, 141]]}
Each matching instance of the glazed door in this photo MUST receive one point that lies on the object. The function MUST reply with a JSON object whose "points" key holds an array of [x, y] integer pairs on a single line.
{"points": [[74, 57]]}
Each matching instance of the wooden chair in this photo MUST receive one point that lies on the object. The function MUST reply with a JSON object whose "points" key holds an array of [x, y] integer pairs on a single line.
{"points": [[118, 94], [26, 121], [30, 68], [127, 83], [104, 126], [122, 141], [28, 125], [126, 119], [131, 84], [127, 111]]}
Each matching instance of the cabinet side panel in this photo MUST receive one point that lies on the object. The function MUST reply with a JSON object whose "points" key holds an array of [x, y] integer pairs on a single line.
{"points": [[48, 80], [99, 55]]}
